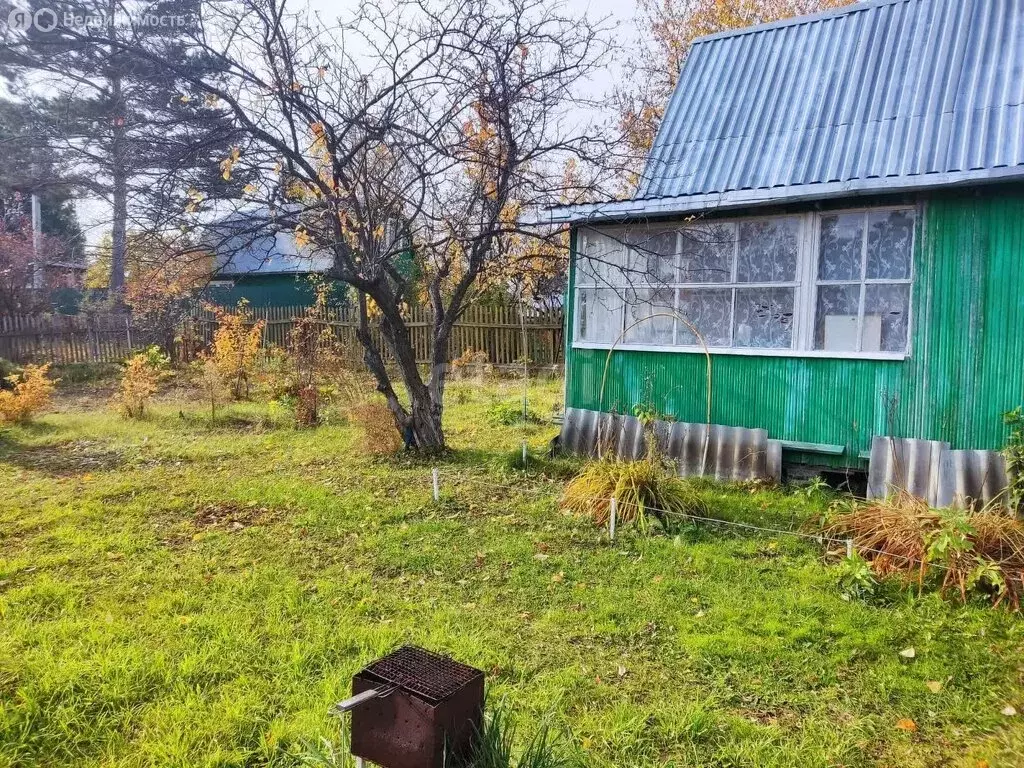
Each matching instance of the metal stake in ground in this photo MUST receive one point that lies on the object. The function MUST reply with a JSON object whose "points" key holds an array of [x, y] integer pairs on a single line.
{"points": [[437, 484], [613, 506]]}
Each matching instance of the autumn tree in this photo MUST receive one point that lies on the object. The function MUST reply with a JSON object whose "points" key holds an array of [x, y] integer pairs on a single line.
{"points": [[668, 27], [415, 131]]}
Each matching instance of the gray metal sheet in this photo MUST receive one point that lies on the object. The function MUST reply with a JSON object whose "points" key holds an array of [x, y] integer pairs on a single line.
{"points": [[900, 464], [733, 453]]}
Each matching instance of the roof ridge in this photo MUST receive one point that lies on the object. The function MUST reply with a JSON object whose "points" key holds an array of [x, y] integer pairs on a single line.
{"points": [[791, 21]]}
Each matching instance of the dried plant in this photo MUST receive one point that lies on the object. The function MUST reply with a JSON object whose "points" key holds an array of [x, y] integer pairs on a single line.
{"points": [[377, 429], [30, 392], [642, 489]]}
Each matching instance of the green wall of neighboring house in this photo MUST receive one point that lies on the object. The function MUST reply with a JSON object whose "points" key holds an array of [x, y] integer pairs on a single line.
{"points": [[280, 290], [964, 370]]}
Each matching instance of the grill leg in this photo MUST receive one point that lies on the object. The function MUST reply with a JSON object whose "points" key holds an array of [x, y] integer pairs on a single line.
{"points": [[360, 763]]}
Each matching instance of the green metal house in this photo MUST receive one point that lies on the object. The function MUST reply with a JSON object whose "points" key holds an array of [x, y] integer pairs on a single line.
{"points": [[833, 211]]}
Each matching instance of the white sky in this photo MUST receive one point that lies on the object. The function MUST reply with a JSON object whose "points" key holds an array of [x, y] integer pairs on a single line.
{"points": [[94, 215]]}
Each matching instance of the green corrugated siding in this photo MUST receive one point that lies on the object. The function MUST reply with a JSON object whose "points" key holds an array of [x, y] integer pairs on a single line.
{"points": [[965, 370]]}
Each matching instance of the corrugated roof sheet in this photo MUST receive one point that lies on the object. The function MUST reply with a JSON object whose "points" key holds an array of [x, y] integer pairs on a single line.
{"points": [[877, 96], [251, 242]]}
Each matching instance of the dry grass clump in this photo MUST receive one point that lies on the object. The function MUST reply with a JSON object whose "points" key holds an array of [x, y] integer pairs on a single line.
{"points": [[642, 489], [378, 435], [980, 552], [898, 526]]}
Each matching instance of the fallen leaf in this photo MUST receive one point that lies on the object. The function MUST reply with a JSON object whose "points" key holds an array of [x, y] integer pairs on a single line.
{"points": [[560, 576], [658, 579], [934, 686], [908, 653], [1009, 711], [622, 671], [906, 724]]}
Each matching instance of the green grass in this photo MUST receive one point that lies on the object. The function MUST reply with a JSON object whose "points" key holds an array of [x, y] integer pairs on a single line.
{"points": [[176, 594]]}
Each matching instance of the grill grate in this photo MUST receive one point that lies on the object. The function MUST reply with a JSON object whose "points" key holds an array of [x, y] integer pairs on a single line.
{"points": [[428, 674]]}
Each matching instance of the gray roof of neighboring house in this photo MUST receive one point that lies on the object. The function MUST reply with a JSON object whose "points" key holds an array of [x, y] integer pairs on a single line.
{"points": [[249, 244], [878, 96]]}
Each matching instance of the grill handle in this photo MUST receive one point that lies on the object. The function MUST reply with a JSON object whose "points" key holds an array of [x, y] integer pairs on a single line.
{"points": [[361, 698]]}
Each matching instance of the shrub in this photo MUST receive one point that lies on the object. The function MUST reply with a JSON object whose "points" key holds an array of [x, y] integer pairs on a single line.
{"points": [[376, 424], [472, 364], [235, 349], [510, 414], [642, 490], [142, 374], [211, 382], [1013, 452], [982, 552], [494, 746], [29, 393]]}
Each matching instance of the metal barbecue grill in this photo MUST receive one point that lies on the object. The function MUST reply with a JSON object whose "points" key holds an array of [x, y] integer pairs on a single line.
{"points": [[415, 709]]}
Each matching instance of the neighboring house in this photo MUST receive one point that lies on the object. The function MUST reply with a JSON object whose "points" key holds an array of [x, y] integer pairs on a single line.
{"points": [[265, 267], [836, 204]]}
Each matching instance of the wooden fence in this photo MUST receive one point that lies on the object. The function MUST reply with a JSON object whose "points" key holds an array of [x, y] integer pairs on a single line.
{"points": [[506, 335], [62, 339]]}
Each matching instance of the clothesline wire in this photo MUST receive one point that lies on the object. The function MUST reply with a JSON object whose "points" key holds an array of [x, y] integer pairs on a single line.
{"points": [[818, 538]]}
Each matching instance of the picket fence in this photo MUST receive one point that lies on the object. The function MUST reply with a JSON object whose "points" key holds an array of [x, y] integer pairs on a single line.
{"points": [[506, 334]]}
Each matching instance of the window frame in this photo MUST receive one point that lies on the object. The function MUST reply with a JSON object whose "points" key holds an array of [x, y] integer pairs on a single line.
{"points": [[805, 288]]}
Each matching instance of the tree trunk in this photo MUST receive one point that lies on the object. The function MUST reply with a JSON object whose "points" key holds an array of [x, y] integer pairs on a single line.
{"points": [[119, 175]]}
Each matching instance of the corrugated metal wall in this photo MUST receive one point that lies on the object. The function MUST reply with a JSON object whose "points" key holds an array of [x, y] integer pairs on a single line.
{"points": [[965, 370]]}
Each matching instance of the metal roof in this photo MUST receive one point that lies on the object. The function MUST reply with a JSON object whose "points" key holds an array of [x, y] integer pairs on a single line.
{"points": [[877, 96], [251, 243]]}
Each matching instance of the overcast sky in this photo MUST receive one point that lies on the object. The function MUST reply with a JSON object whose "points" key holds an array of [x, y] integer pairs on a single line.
{"points": [[94, 215]]}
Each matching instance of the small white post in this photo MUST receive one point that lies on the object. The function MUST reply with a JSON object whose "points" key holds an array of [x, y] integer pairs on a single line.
{"points": [[613, 507], [849, 548], [437, 484], [360, 763], [524, 454]]}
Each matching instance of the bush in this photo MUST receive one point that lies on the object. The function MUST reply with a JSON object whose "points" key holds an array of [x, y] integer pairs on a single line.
{"points": [[510, 414], [979, 553], [29, 393], [642, 490], [235, 348], [378, 435], [140, 381]]}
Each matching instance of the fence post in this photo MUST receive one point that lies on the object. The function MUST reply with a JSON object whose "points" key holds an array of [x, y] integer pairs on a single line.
{"points": [[613, 507], [524, 454], [437, 484], [849, 548]]}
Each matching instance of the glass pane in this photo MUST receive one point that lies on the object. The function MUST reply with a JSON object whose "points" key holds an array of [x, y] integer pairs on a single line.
{"points": [[598, 315], [602, 256], [764, 318], [707, 252], [652, 257], [710, 311], [890, 244], [886, 309], [842, 245], [768, 251], [654, 304], [835, 325]]}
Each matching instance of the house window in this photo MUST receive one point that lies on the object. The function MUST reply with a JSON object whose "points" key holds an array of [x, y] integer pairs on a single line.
{"points": [[765, 285], [863, 286]]}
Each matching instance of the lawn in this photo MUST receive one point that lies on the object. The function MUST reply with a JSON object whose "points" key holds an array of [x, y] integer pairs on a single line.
{"points": [[176, 593]]}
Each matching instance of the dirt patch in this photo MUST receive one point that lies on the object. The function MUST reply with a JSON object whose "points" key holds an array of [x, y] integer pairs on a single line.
{"points": [[229, 516], [78, 457]]}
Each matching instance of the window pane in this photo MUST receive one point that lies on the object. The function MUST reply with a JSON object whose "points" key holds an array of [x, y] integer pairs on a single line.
{"points": [[837, 317], [768, 251], [707, 252], [842, 243], [764, 318], [710, 310], [890, 244], [602, 257], [886, 308], [653, 304], [598, 315], [652, 257]]}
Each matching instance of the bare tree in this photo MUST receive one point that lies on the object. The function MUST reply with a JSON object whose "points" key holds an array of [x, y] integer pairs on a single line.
{"points": [[406, 144]]}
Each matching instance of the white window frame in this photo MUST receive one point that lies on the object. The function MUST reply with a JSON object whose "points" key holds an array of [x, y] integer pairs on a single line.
{"points": [[805, 299]]}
